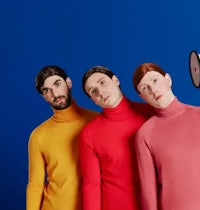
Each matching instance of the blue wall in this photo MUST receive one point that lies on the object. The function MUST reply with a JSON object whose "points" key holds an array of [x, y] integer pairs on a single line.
{"points": [[77, 35]]}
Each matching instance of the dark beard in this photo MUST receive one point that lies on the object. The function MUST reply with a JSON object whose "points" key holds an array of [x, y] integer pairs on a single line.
{"points": [[67, 102]]}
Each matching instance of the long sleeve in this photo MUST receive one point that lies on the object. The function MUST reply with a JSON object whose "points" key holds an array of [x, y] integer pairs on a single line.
{"points": [[90, 167], [167, 148], [54, 172], [147, 173], [35, 185], [109, 175]]}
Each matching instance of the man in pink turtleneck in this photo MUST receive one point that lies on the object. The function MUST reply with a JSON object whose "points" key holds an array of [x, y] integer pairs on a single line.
{"points": [[167, 145], [109, 173]]}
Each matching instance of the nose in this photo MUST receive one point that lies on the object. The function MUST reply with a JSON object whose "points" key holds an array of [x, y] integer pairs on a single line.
{"points": [[54, 93], [101, 92], [152, 88]]}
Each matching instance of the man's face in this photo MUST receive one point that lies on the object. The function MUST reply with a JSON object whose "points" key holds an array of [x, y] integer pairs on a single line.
{"points": [[103, 90], [155, 89], [56, 91]]}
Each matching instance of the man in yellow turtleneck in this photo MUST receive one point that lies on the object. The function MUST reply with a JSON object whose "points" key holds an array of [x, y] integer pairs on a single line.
{"points": [[54, 178]]}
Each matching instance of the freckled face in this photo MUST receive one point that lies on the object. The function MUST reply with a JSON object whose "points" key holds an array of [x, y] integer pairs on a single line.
{"points": [[103, 90], [155, 89]]}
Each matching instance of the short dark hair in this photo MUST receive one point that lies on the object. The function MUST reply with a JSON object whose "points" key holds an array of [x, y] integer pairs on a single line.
{"points": [[94, 69], [142, 70], [46, 72]]}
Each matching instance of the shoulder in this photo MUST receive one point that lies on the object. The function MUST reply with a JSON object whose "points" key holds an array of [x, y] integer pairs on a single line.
{"points": [[89, 112], [144, 132], [41, 128], [90, 117], [192, 107], [142, 108], [140, 105], [93, 125], [94, 122], [90, 131]]}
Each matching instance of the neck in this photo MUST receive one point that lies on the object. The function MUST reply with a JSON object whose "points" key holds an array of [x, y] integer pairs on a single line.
{"points": [[68, 114], [171, 98]]}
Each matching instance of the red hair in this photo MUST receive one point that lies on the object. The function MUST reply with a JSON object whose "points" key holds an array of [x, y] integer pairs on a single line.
{"points": [[142, 70]]}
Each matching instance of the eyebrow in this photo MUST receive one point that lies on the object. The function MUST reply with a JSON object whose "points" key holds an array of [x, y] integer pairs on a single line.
{"points": [[149, 80], [96, 82], [56, 81], [45, 88], [153, 77]]}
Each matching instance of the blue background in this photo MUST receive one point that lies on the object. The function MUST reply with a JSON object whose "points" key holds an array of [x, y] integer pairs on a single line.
{"points": [[77, 35]]}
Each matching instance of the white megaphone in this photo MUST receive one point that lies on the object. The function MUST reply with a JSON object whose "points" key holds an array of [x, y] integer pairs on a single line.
{"points": [[194, 65]]}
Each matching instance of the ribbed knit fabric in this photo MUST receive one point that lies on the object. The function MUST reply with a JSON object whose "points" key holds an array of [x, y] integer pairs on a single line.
{"points": [[110, 177], [168, 153], [53, 149]]}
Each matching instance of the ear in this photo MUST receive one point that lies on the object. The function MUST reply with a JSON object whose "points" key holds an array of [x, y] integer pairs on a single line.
{"points": [[168, 79], [115, 80], [69, 82]]}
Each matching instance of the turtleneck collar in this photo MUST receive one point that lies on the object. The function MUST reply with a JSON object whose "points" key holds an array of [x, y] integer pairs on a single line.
{"points": [[173, 109], [120, 112], [69, 114]]}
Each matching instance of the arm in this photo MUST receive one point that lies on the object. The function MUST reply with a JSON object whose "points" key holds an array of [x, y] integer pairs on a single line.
{"points": [[147, 174], [35, 187], [91, 178]]}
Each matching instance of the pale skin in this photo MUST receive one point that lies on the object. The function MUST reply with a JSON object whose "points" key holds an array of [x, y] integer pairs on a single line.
{"points": [[103, 90], [155, 89], [56, 91]]}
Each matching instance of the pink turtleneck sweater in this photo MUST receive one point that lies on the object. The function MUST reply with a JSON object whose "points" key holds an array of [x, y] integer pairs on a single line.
{"points": [[168, 153], [110, 178]]}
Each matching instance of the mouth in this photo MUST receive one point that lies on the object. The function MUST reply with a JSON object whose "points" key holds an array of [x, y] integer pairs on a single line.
{"points": [[157, 97], [58, 100], [106, 98]]}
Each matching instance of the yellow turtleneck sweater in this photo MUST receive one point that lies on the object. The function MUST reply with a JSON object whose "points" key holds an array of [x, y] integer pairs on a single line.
{"points": [[54, 175]]}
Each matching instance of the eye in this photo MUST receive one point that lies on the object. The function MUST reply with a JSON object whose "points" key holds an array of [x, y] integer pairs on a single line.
{"points": [[58, 83], [93, 92], [45, 91], [155, 80], [143, 89], [102, 82]]}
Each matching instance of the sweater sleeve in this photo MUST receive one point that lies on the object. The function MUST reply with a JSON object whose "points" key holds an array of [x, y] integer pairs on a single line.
{"points": [[147, 174], [90, 169], [35, 187]]}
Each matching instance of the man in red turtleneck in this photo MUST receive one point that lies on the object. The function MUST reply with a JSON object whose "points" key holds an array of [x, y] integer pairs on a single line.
{"points": [[109, 173], [167, 145]]}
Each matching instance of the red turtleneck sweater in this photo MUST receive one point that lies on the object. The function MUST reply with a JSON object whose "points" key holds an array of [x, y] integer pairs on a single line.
{"points": [[168, 153], [110, 179]]}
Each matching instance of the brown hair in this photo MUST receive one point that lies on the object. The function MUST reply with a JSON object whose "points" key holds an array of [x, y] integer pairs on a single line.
{"points": [[142, 70], [94, 69], [46, 72]]}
